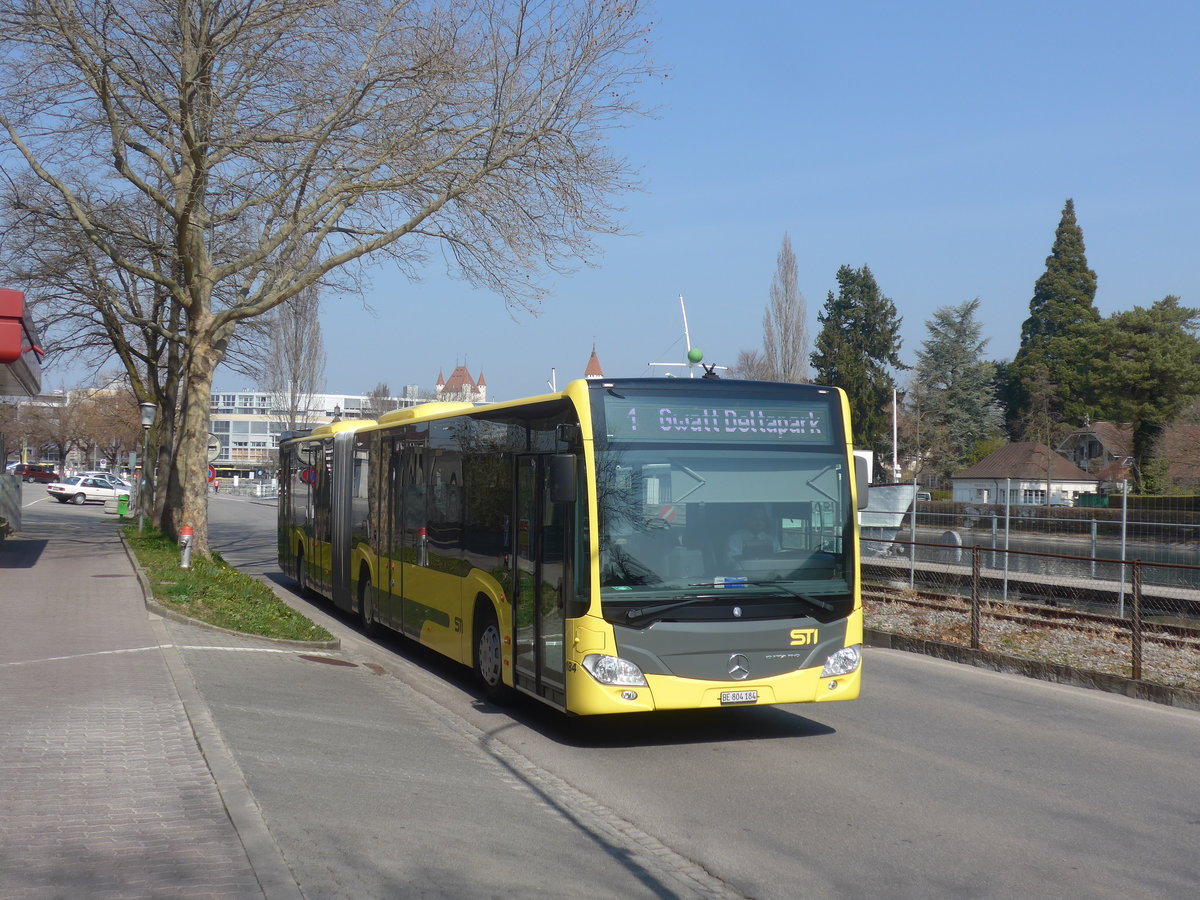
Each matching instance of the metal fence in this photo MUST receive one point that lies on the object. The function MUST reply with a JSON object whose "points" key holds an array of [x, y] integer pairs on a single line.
{"points": [[1166, 533], [1132, 617], [257, 489]]}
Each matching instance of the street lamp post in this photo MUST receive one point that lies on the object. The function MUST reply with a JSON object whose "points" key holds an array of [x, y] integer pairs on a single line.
{"points": [[895, 433], [148, 410]]}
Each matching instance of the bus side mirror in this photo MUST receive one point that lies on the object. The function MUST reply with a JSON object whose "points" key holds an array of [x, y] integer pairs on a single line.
{"points": [[861, 485], [562, 478]]}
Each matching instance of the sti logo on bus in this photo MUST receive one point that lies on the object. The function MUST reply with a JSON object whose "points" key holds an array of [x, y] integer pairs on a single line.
{"points": [[804, 637]]}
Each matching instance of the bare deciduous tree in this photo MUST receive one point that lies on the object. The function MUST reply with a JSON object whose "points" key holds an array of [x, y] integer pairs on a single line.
{"points": [[10, 430], [378, 401], [785, 326], [109, 423], [294, 364], [1180, 449], [751, 365], [90, 310], [53, 425], [280, 142]]}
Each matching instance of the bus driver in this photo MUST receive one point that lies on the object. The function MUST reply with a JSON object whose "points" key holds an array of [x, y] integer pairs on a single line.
{"points": [[755, 537]]}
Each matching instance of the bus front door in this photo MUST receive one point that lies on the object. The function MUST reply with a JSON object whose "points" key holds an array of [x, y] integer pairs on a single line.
{"points": [[538, 562]]}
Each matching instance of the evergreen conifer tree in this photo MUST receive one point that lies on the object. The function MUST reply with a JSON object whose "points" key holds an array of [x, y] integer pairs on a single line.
{"points": [[953, 389], [1145, 371], [856, 349], [1047, 371]]}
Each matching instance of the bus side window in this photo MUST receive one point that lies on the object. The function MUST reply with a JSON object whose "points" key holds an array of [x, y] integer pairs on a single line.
{"points": [[413, 499], [445, 513]]}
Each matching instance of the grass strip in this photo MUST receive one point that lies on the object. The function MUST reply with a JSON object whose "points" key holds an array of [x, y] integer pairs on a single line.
{"points": [[213, 592]]}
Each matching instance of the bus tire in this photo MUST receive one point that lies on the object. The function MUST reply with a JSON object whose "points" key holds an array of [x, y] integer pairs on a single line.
{"points": [[366, 601], [301, 582], [489, 654]]}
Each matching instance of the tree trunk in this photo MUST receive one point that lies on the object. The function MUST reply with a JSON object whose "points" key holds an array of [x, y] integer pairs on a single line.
{"points": [[1147, 477], [187, 489], [165, 430]]}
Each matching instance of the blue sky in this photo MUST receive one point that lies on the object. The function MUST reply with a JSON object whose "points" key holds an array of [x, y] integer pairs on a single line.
{"points": [[934, 142]]}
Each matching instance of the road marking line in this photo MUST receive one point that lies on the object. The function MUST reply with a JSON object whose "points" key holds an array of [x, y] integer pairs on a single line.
{"points": [[26, 662]]}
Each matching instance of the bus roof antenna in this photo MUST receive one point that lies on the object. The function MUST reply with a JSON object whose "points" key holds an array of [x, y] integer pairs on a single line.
{"points": [[694, 354]]}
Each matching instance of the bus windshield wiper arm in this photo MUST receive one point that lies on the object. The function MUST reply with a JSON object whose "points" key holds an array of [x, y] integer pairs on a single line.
{"points": [[644, 611], [806, 598]]}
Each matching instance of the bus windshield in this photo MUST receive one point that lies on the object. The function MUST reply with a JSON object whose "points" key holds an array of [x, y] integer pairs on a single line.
{"points": [[723, 524]]}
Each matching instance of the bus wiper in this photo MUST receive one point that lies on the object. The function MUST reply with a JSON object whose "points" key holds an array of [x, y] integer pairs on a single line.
{"points": [[645, 611], [806, 598]]}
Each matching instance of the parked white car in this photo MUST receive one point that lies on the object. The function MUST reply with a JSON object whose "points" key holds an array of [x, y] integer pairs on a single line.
{"points": [[80, 489], [111, 477]]}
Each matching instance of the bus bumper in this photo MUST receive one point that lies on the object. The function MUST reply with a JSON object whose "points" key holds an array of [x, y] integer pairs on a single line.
{"points": [[588, 697]]}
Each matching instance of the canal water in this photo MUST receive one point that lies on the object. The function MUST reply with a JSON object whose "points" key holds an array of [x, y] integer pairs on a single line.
{"points": [[1169, 565]]}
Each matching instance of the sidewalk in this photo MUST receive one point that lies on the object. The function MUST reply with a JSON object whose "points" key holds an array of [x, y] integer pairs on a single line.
{"points": [[106, 792]]}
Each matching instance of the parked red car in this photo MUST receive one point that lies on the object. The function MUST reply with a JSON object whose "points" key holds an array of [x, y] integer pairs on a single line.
{"points": [[33, 472]]}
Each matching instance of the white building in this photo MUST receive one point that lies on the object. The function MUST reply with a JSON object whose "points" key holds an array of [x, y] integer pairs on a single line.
{"points": [[1031, 475], [248, 423]]}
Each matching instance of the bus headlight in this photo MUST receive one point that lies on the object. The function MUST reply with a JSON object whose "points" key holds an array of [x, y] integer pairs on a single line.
{"points": [[613, 670], [843, 662]]}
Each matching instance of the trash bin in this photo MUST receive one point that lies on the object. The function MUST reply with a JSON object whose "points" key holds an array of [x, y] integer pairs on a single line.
{"points": [[122, 504]]}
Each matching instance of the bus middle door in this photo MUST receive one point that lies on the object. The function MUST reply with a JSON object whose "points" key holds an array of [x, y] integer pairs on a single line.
{"points": [[538, 557]]}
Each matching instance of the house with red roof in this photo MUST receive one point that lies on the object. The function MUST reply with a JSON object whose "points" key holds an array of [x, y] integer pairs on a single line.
{"points": [[1106, 450], [1103, 448], [1027, 473]]}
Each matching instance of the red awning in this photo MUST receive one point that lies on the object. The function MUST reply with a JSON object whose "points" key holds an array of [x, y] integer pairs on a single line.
{"points": [[20, 354]]}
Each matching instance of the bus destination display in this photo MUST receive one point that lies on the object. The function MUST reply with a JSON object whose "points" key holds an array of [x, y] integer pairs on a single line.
{"points": [[665, 418]]}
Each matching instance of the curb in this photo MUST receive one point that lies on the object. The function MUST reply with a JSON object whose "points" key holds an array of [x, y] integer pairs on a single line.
{"points": [[1181, 698], [270, 867], [158, 609]]}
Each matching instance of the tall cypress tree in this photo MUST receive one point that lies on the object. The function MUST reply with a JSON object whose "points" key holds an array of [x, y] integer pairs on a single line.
{"points": [[1049, 366], [858, 345], [785, 322]]}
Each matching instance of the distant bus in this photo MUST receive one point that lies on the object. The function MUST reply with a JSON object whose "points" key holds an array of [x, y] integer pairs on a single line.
{"points": [[580, 547], [228, 472]]}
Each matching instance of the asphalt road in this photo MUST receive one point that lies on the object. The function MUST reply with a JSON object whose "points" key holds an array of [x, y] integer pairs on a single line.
{"points": [[941, 780]]}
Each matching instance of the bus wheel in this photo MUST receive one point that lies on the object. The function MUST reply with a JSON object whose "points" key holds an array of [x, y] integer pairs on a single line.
{"points": [[366, 602], [489, 656], [302, 590]]}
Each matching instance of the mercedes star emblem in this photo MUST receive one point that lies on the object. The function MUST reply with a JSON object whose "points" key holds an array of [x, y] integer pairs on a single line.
{"points": [[739, 667]]}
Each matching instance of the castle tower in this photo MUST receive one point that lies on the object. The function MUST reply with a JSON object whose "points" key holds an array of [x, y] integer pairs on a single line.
{"points": [[593, 369], [461, 387]]}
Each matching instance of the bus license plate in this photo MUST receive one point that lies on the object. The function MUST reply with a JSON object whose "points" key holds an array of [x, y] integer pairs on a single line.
{"points": [[739, 697]]}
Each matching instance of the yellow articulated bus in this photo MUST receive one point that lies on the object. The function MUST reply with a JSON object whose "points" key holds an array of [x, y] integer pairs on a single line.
{"points": [[625, 545]]}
